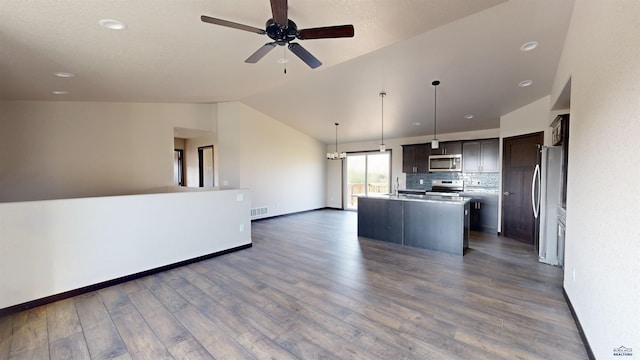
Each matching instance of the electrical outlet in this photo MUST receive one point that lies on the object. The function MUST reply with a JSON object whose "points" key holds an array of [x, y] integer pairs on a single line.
{"points": [[241, 227], [240, 197], [421, 181]]}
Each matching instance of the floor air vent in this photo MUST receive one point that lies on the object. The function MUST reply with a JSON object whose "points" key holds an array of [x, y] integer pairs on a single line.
{"points": [[259, 211]]}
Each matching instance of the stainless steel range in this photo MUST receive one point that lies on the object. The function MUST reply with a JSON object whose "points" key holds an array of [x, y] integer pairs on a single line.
{"points": [[446, 187]]}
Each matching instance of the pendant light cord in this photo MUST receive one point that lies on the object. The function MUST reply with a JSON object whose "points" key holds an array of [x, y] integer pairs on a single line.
{"points": [[382, 95], [336, 138], [435, 105]]}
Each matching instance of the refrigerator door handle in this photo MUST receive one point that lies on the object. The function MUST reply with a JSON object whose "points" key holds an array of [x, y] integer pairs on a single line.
{"points": [[536, 178]]}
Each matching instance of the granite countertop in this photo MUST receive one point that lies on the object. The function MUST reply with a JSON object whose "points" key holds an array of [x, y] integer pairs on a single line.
{"points": [[481, 191], [421, 198]]}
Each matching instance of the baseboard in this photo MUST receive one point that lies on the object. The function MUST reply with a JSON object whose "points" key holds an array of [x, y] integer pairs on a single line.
{"points": [[102, 285], [585, 342], [293, 213]]}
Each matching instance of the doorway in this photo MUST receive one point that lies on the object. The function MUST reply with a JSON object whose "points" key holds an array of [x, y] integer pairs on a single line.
{"points": [[178, 167], [519, 159], [366, 174], [205, 161]]}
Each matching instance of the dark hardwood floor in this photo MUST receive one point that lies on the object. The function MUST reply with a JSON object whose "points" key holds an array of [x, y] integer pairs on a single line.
{"points": [[310, 288]]}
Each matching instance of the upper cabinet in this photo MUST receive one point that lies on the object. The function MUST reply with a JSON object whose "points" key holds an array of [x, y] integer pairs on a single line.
{"points": [[560, 130], [415, 158], [447, 148], [480, 156]]}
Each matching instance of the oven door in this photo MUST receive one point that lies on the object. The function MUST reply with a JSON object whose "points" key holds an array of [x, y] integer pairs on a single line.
{"points": [[445, 163]]}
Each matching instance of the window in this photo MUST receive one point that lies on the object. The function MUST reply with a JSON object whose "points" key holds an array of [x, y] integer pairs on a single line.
{"points": [[366, 174]]}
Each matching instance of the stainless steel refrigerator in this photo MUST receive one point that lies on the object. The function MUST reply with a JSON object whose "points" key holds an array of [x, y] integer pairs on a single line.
{"points": [[546, 195]]}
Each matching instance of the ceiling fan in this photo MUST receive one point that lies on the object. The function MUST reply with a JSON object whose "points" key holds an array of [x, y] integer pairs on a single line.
{"points": [[283, 31]]}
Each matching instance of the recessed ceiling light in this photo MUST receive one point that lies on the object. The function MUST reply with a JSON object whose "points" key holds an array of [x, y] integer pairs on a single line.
{"points": [[63, 74], [528, 46], [60, 92], [468, 116], [525, 83], [112, 24], [415, 123]]}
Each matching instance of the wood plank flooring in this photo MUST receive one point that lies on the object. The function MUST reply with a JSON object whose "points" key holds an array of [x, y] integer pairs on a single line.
{"points": [[309, 288]]}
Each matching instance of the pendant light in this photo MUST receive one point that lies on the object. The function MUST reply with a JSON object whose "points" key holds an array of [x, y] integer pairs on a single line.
{"points": [[336, 155], [434, 142], [382, 147]]}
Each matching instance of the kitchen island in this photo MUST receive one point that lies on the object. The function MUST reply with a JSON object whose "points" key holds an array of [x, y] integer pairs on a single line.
{"points": [[433, 222]]}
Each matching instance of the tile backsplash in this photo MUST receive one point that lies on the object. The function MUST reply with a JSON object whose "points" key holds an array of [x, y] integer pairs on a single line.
{"points": [[472, 181]]}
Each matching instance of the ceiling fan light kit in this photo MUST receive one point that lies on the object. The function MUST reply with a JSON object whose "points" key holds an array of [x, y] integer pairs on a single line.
{"points": [[283, 31]]}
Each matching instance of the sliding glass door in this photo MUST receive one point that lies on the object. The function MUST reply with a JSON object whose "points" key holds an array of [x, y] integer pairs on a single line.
{"points": [[366, 174]]}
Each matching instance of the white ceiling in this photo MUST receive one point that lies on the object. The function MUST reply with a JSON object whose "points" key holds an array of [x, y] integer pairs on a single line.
{"points": [[167, 54]]}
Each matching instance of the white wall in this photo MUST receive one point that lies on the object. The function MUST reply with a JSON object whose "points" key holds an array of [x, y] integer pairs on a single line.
{"points": [[334, 167], [53, 150], [531, 118], [602, 58], [228, 115], [284, 168], [53, 246]]}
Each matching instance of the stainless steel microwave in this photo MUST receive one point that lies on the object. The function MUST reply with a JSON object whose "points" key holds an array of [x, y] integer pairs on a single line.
{"points": [[445, 163]]}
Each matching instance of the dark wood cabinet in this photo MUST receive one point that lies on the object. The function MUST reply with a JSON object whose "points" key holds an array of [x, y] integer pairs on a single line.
{"points": [[415, 158], [380, 219], [560, 130], [560, 137], [484, 212], [447, 148], [438, 225], [480, 156]]}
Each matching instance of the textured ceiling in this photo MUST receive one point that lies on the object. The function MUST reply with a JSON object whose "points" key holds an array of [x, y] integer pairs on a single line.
{"points": [[167, 54]]}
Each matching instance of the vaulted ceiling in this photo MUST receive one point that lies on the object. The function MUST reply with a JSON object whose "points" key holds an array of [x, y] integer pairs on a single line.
{"points": [[166, 54]]}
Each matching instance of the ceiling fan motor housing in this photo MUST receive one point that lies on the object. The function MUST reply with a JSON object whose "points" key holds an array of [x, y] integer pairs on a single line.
{"points": [[282, 35]]}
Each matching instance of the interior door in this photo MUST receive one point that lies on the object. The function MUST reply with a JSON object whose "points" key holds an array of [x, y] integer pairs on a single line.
{"points": [[519, 159]]}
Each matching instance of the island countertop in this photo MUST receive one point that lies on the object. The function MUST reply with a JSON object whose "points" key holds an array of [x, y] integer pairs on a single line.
{"points": [[433, 222], [424, 198]]}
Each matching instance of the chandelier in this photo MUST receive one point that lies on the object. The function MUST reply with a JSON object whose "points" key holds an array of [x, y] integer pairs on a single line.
{"points": [[336, 155]]}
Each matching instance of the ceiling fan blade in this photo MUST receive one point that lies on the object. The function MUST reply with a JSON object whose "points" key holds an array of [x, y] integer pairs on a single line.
{"points": [[231, 24], [260, 53], [279, 11], [326, 32], [304, 55]]}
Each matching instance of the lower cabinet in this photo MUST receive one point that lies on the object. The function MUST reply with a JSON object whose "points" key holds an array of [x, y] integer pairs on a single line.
{"points": [[484, 213], [434, 224], [380, 219]]}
